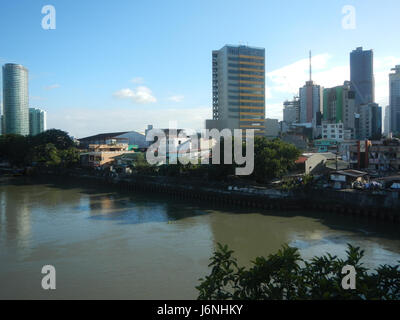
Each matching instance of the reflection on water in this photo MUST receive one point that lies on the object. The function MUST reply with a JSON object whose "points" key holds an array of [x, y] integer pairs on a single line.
{"points": [[110, 245]]}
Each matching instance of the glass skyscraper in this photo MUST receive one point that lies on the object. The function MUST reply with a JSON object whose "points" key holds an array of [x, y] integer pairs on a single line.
{"points": [[394, 106], [15, 99], [362, 75], [37, 121]]}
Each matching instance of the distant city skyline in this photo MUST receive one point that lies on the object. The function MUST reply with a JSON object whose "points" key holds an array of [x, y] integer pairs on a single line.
{"points": [[110, 67]]}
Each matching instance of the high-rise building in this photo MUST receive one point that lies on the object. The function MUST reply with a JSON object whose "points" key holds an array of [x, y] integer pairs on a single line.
{"points": [[238, 83], [37, 121], [1, 118], [362, 75], [291, 111], [387, 121], [311, 96], [339, 106], [370, 122], [394, 100], [15, 99]]}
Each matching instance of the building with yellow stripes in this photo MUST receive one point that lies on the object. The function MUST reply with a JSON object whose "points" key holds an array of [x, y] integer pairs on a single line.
{"points": [[238, 89]]}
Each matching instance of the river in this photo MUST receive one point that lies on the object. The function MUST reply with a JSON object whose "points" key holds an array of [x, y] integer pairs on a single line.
{"points": [[110, 245]]}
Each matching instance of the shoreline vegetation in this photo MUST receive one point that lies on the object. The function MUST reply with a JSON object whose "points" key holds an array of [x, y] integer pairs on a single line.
{"points": [[53, 153]]}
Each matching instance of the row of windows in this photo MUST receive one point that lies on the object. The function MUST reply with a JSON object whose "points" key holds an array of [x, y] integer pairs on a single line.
{"points": [[252, 73], [247, 78], [248, 85], [245, 59], [249, 110], [236, 65], [246, 98], [249, 104], [246, 91]]}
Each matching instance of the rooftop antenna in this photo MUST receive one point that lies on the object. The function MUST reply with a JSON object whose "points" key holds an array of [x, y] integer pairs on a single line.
{"points": [[310, 68]]}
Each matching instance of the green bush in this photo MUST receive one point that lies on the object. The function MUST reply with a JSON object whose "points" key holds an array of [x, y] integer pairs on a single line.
{"points": [[285, 276]]}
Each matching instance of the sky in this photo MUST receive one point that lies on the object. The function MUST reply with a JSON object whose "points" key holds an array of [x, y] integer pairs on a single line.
{"points": [[121, 65]]}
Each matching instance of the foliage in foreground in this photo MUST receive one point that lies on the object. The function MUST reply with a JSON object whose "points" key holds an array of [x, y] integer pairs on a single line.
{"points": [[285, 276]]}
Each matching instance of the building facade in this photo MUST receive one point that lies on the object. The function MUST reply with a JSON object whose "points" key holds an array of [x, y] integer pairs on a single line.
{"points": [[37, 121], [370, 126], [335, 131], [291, 111], [311, 96], [387, 129], [339, 107], [238, 87], [362, 75], [382, 155], [272, 128], [15, 99], [394, 100]]}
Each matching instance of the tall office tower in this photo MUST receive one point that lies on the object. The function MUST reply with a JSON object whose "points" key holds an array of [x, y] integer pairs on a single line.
{"points": [[339, 106], [238, 82], [311, 98], [394, 100], [370, 122], [387, 130], [15, 99], [37, 121], [291, 111], [362, 75], [1, 118]]}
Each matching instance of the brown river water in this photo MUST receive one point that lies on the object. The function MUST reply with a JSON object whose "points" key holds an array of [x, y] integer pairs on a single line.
{"points": [[110, 245]]}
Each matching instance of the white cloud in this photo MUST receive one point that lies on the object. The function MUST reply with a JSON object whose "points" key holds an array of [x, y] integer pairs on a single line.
{"points": [[176, 98], [141, 94], [81, 122], [137, 80], [51, 87]]}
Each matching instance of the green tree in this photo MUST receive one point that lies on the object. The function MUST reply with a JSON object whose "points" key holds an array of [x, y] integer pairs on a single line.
{"points": [[272, 158], [60, 139], [14, 148], [46, 155], [69, 157], [285, 276]]}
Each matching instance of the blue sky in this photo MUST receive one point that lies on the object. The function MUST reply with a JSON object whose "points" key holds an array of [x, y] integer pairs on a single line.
{"points": [[123, 64]]}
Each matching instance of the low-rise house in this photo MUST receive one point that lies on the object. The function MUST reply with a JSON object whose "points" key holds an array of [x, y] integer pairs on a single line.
{"points": [[382, 156], [99, 155], [346, 179]]}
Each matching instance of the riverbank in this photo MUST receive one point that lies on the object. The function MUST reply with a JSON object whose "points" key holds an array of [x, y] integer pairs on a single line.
{"points": [[375, 205]]}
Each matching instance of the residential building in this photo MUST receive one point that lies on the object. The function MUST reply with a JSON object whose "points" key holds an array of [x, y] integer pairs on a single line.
{"points": [[37, 121], [15, 99], [238, 88], [370, 122], [362, 76], [335, 131], [99, 155], [394, 100], [381, 155]]}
